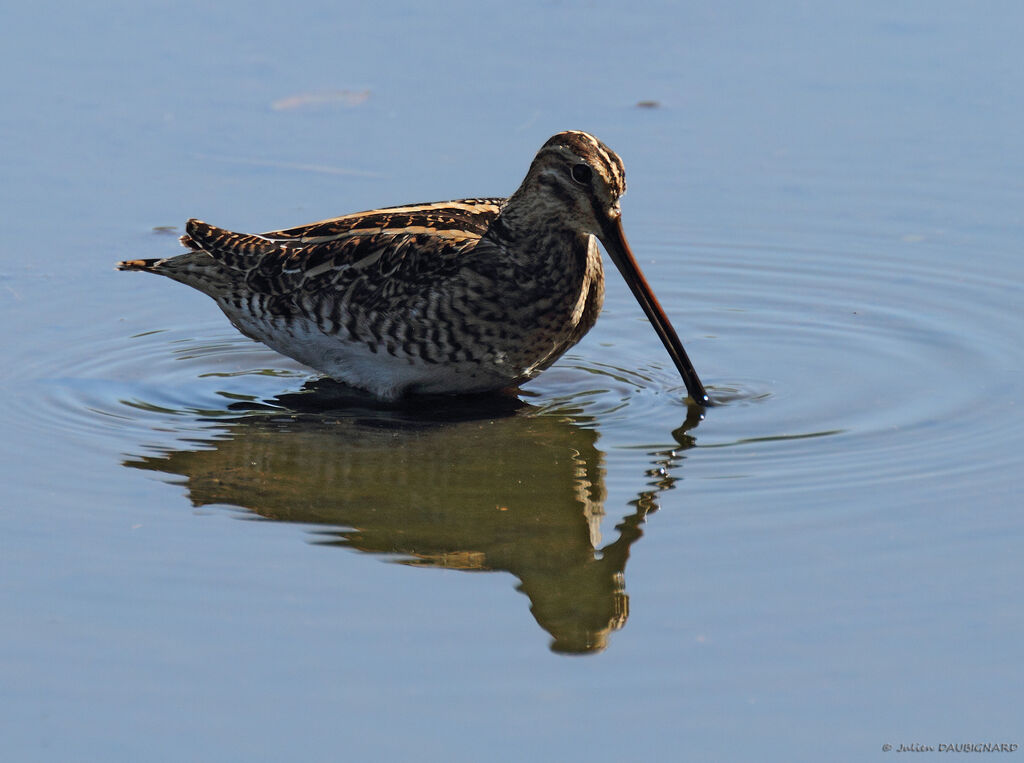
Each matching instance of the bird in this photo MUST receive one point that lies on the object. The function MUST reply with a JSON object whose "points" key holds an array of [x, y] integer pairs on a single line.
{"points": [[440, 298]]}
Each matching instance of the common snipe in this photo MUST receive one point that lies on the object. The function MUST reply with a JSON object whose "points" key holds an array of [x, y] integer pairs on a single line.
{"points": [[440, 298]]}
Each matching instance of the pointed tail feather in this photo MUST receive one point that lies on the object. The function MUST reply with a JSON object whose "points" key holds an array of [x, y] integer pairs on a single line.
{"points": [[138, 264], [196, 269], [218, 258]]}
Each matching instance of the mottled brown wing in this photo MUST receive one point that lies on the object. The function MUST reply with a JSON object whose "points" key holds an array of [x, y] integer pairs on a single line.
{"points": [[461, 216], [370, 259]]}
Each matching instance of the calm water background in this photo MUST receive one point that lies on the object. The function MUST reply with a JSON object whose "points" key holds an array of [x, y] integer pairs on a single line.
{"points": [[829, 203]]}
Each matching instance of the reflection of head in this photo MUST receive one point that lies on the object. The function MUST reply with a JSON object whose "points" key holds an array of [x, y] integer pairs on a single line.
{"points": [[583, 603], [580, 617]]}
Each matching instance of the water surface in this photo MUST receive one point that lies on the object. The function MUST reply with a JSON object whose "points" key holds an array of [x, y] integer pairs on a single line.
{"points": [[209, 552]]}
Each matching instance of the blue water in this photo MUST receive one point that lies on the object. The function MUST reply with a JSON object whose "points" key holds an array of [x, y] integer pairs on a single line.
{"points": [[207, 553]]}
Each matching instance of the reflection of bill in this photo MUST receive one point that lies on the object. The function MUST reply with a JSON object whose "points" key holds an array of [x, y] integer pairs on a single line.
{"points": [[521, 492]]}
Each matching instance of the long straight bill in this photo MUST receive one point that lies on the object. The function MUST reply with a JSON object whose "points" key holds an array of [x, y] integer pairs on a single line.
{"points": [[614, 240]]}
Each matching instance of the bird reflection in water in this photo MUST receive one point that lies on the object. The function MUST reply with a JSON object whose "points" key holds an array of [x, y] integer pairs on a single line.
{"points": [[493, 484]]}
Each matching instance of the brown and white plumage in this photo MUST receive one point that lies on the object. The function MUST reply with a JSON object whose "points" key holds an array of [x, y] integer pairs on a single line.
{"points": [[445, 297]]}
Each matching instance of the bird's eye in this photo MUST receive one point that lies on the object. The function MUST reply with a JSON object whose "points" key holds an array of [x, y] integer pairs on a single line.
{"points": [[581, 173]]}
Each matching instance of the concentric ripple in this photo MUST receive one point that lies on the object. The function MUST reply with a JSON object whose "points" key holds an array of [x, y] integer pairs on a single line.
{"points": [[872, 365], [827, 368]]}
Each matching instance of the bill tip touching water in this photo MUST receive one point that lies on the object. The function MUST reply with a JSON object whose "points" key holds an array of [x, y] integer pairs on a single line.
{"points": [[450, 297]]}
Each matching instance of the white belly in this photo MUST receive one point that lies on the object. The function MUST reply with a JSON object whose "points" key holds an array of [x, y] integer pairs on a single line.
{"points": [[386, 376]]}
